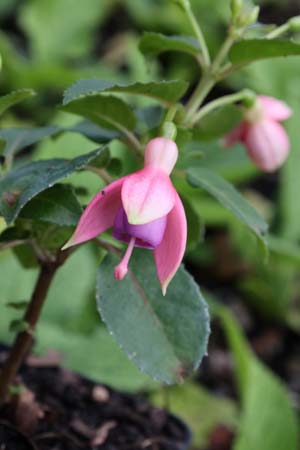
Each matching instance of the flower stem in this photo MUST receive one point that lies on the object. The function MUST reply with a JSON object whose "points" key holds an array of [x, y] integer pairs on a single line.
{"points": [[23, 340], [245, 94], [278, 31], [221, 55], [208, 80], [197, 30], [204, 87], [101, 172]]}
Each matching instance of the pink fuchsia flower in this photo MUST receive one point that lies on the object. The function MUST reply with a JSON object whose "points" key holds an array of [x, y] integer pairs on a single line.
{"points": [[144, 210], [265, 138]]}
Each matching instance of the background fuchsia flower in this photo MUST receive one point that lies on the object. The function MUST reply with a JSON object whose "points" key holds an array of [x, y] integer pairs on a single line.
{"points": [[144, 210], [265, 138]]}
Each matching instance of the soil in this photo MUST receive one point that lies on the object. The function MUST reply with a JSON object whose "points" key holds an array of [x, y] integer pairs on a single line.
{"points": [[56, 409]]}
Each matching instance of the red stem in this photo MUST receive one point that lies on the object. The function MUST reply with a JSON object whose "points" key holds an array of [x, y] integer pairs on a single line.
{"points": [[23, 340]]}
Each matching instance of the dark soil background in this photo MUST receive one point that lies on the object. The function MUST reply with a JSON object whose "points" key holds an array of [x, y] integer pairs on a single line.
{"points": [[57, 409]]}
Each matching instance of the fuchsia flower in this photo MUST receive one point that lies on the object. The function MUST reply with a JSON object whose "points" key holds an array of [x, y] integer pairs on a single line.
{"points": [[144, 210], [265, 138]]}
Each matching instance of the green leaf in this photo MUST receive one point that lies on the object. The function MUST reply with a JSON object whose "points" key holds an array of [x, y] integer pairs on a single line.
{"points": [[140, 318], [285, 249], [18, 326], [195, 225], [151, 116], [26, 256], [95, 355], [6, 101], [102, 160], [50, 237], [163, 91], [155, 43], [71, 145], [22, 184], [44, 24], [289, 180], [57, 205], [16, 233], [246, 51], [93, 132], [229, 197], [268, 419], [17, 305], [234, 165], [191, 401], [217, 123], [6, 7], [19, 138], [104, 110], [115, 167]]}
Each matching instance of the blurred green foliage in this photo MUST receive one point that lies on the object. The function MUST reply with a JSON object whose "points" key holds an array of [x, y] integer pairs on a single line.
{"points": [[42, 50]]}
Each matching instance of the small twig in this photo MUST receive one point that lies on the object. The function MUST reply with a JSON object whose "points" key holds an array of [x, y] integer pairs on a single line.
{"points": [[134, 144], [278, 31], [210, 77], [101, 172], [197, 31], [108, 247], [222, 101], [60, 435], [223, 52], [23, 340], [12, 244]]}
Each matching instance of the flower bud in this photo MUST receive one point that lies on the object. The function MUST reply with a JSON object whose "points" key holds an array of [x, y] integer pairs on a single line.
{"points": [[236, 7], [161, 153], [267, 145], [261, 132], [249, 98], [250, 17], [294, 24], [169, 130]]}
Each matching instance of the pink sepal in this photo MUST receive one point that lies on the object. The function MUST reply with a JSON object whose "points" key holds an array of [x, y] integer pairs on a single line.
{"points": [[236, 135], [168, 255], [147, 195], [274, 109], [99, 215], [161, 153], [267, 145]]}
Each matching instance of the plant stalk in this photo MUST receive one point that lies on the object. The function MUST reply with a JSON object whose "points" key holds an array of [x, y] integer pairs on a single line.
{"points": [[208, 80], [223, 52], [101, 172], [24, 339], [204, 87], [222, 101], [279, 31], [197, 31]]}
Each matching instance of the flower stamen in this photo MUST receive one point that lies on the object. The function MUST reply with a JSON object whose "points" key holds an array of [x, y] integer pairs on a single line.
{"points": [[122, 268]]}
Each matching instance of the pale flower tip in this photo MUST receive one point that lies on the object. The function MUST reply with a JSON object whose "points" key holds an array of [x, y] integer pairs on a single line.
{"points": [[133, 218], [68, 244], [120, 271], [164, 287], [161, 153]]}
